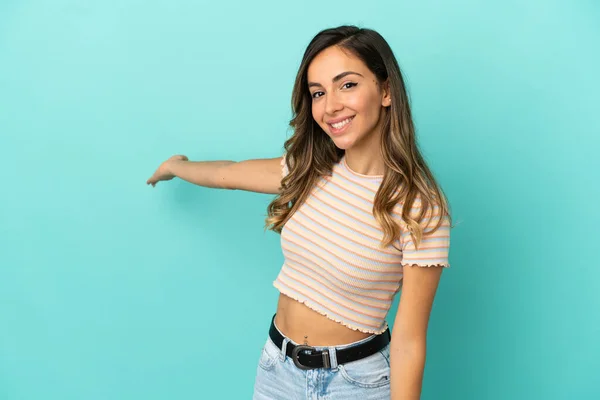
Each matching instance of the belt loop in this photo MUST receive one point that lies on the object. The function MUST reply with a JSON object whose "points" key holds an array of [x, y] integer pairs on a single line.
{"points": [[284, 348], [332, 358]]}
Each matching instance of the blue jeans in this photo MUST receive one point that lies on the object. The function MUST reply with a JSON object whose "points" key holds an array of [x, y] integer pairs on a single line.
{"points": [[277, 378]]}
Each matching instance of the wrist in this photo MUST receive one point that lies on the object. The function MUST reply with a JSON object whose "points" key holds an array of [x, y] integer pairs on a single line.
{"points": [[172, 166]]}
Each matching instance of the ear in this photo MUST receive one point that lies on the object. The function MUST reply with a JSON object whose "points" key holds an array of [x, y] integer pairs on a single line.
{"points": [[386, 99]]}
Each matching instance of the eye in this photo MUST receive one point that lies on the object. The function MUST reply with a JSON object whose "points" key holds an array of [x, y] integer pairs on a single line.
{"points": [[346, 85]]}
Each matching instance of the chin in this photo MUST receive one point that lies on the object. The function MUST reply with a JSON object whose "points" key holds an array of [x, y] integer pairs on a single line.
{"points": [[343, 144], [345, 141]]}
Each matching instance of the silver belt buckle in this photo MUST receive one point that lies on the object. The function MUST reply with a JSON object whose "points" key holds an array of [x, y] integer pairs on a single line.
{"points": [[299, 348]]}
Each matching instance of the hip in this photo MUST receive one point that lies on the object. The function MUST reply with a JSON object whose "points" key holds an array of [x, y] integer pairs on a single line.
{"points": [[279, 376]]}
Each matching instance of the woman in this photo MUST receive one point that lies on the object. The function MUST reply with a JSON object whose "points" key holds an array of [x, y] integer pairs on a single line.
{"points": [[359, 213]]}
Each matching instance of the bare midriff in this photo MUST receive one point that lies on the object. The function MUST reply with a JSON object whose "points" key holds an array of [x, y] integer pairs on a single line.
{"points": [[300, 323]]}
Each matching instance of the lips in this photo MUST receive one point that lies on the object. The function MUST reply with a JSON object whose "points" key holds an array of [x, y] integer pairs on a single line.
{"points": [[335, 121], [340, 128]]}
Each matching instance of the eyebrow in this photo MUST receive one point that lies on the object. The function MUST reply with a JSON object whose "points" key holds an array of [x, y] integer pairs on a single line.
{"points": [[335, 78]]}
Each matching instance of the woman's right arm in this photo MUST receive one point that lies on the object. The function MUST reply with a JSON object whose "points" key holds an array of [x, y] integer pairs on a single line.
{"points": [[257, 175]]}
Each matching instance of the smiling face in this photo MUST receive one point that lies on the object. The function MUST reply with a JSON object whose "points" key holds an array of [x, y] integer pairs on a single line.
{"points": [[347, 100]]}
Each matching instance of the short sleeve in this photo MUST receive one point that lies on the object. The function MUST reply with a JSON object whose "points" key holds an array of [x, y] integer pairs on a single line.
{"points": [[284, 167], [434, 247]]}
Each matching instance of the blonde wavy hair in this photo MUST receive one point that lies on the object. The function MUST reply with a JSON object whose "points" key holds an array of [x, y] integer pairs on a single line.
{"points": [[310, 154]]}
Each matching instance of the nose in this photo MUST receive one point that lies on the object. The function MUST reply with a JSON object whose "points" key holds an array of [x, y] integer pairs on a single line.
{"points": [[332, 103]]}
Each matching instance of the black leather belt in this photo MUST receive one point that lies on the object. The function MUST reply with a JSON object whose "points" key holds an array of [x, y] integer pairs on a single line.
{"points": [[308, 357]]}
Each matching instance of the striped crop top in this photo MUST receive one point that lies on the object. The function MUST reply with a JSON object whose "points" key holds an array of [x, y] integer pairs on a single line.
{"points": [[332, 259]]}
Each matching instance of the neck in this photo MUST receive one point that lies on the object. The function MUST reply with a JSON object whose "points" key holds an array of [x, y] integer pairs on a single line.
{"points": [[366, 159]]}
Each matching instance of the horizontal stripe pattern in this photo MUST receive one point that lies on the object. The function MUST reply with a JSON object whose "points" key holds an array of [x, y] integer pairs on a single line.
{"points": [[332, 260]]}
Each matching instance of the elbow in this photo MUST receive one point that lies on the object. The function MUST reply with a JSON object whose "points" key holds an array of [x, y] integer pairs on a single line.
{"points": [[410, 348], [221, 177]]}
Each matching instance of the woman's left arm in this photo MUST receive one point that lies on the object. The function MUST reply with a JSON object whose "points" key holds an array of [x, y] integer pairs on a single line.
{"points": [[409, 336]]}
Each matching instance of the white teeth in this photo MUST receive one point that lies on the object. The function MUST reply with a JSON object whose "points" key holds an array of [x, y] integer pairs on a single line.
{"points": [[339, 125]]}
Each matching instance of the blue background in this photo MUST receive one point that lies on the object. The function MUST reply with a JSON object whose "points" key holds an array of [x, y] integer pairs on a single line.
{"points": [[110, 289]]}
